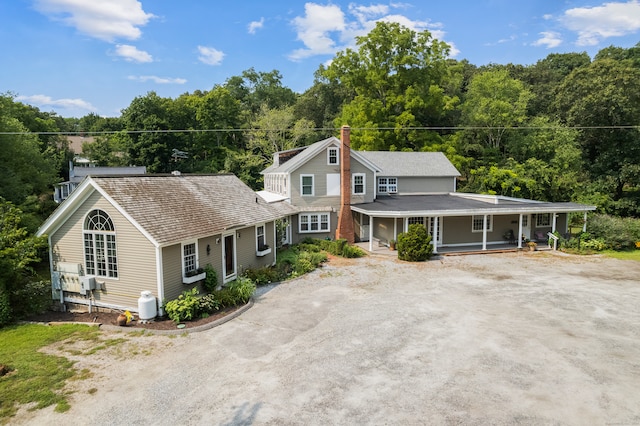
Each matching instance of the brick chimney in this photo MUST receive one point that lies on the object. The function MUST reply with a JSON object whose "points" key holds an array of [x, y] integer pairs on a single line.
{"points": [[345, 218]]}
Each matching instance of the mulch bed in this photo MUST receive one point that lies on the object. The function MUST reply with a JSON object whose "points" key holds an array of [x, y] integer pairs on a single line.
{"points": [[111, 317]]}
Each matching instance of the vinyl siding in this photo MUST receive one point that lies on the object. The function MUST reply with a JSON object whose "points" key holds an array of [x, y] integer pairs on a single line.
{"points": [[318, 167], [135, 255], [423, 185]]}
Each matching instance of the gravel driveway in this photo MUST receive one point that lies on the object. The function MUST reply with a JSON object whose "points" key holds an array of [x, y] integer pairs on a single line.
{"points": [[521, 338]]}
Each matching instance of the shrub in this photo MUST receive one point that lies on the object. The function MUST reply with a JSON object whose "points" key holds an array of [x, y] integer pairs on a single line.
{"points": [[34, 297], [262, 276], [241, 289], [617, 233], [352, 251], [415, 244], [185, 307], [208, 304], [211, 281], [225, 297]]}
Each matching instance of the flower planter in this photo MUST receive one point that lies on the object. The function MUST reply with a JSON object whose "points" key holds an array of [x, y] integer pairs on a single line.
{"points": [[194, 278], [265, 251]]}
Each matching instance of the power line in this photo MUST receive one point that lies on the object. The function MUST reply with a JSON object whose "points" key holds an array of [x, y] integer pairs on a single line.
{"points": [[318, 129]]}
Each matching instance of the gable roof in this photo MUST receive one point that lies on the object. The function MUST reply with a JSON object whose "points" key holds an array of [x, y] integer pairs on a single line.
{"points": [[310, 152], [400, 163], [171, 209]]}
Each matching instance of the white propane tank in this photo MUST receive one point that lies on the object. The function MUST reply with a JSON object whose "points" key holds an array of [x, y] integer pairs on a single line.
{"points": [[147, 306]]}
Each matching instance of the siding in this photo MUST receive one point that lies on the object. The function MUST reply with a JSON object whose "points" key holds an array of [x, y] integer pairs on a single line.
{"points": [[422, 185], [136, 256], [297, 236], [319, 168]]}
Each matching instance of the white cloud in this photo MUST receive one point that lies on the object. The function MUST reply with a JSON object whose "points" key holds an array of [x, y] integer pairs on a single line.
{"points": [[47, 101], [594, 24], [255, 25], [325, 29], [314, 28], [132, 54], [105, 20], [156, 79], [210, 55], [549, 39]]}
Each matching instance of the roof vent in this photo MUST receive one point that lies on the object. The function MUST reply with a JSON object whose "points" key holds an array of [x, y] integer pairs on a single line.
{"points": [[176, 173]]}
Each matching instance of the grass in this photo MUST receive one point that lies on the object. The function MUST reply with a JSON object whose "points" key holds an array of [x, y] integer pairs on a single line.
{"points": [[623, 255], [37, 378]]}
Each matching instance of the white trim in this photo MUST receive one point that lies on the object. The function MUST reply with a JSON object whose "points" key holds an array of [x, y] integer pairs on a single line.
{"points": [[545, 215], [319, 230], [364, 184], [313, 184], [160, 280], [197, 260], [226, 278], [337, 150]]}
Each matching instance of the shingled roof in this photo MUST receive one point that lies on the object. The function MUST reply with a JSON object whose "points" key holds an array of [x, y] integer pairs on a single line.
{"points": [[170, 208], [400, 163]]}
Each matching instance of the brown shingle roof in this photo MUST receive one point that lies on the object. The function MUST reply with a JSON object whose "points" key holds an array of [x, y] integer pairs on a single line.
{"points": [[179, 208]]}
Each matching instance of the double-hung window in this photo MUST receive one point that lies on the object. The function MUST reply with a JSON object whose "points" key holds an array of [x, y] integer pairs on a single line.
{"points": [[306, 185], [189, 259], [313, 222], [260, 238], [332, 156], [100, 256], [358, 183], [477, 223], [387, 185]]}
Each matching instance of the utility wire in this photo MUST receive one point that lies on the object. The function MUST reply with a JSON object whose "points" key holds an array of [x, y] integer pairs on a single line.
{"points": [[318, 129]]}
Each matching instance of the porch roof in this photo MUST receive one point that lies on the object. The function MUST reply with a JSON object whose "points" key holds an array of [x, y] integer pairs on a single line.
{"points": [[460, 204]]}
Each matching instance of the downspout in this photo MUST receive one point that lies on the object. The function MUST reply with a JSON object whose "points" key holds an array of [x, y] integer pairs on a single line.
{"points": [[160, 279]]}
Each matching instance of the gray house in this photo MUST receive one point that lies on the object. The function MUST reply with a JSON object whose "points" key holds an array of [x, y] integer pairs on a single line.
{"points": [[117, 236], [374, 196]]}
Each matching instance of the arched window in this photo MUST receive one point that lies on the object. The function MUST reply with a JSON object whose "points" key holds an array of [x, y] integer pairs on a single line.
{"points": [[100, 257]]}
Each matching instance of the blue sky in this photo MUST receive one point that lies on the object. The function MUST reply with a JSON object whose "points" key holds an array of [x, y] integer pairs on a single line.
{"points": [[80, 56]]}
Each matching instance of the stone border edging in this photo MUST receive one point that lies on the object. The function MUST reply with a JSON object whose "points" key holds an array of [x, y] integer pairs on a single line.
{"points": [[195, 329]]}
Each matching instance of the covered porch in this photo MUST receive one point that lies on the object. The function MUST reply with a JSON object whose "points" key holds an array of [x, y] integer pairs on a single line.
{"points": [[464, 222]]}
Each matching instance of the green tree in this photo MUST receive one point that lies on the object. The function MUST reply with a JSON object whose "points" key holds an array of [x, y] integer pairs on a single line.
{"points": [[604, 98], [494, 103], [18, 251], [395, 80]]}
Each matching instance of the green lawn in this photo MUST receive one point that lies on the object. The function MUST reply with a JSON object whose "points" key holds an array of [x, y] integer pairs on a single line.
{"points": [[624, 255], [35, 377]]}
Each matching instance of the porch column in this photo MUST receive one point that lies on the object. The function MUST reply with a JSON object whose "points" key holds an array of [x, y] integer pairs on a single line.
{"points": [[395, 228], [554, 219], [484, 232], [371, 234], [584, 223], [434, 237], [520, 232]]}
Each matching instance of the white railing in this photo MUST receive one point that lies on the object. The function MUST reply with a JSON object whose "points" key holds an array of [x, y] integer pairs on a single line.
{"points": [[555, 240]]}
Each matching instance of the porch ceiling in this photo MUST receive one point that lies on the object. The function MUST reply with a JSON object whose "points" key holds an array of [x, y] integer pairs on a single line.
{"points": [[457, 205]]}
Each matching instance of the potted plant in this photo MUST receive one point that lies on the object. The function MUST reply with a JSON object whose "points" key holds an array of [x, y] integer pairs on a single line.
{"points": [[532, 245], [392, 244]]}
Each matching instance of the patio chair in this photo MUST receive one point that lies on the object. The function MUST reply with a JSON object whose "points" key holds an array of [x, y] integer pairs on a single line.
{"points": [[509, 236], [540, 236]]}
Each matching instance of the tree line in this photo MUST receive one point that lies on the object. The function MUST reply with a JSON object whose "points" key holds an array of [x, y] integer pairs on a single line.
{"points": [[563, 129]]}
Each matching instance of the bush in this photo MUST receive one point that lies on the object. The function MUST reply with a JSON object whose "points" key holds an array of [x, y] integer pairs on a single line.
{"points": [[241, 289], [617, 233], [352, 251], [185, 307], [208, 304], [34, 297], [262, 276], [415, 244], [211, 281]]}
